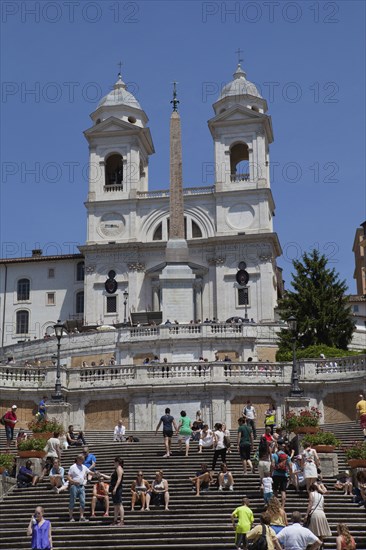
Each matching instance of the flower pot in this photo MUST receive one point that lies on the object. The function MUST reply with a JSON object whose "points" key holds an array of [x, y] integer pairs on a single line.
{"points": [[357, 462], [306, 430], [31, 454], [42, 435], [324, 448]]}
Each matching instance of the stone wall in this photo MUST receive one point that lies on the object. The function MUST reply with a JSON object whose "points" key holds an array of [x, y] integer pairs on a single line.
{"points": [[340, 407], [104, 415]]}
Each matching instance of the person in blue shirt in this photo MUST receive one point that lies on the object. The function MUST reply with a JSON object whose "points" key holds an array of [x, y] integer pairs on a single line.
{"points": [[89, 460], [42, 412], [281, 468]]}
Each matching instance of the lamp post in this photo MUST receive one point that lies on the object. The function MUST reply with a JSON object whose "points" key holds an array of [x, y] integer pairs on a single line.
{"points": [[125, 298], [59, 327], [295, 388]]}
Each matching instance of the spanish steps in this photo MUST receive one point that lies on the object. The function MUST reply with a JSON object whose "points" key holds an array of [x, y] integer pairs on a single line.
{"points": [[193, 522]]}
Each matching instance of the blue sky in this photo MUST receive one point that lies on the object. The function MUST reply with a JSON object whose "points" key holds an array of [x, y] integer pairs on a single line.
{"points": [[308, 59]]}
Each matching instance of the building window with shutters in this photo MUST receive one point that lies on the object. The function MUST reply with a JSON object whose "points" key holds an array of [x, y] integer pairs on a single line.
{"points": [[22, 321], [243, 297], [111, 304], [23, 290], [50, 299]]}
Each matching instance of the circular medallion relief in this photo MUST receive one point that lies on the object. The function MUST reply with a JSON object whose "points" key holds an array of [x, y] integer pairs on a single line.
{"points": [[240, 216], [111, 224]]}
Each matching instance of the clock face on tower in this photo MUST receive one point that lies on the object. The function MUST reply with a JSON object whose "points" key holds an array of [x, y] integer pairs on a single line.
{"points": [[240, 216], [111, 225]]}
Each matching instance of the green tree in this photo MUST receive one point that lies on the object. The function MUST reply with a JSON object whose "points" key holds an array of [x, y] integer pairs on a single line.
{"points": [[319, 303]]}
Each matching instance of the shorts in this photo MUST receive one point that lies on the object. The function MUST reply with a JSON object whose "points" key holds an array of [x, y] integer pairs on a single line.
{"points": [[117, 498], [279, 483], [245, 451], [363, 421], [267, 497], [9, 431], [167, 433], [264, 467], [77, 492], [185, 438]]}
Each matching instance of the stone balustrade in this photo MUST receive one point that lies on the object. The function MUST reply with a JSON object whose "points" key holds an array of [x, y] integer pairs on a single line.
{"points": [[249, 373]]}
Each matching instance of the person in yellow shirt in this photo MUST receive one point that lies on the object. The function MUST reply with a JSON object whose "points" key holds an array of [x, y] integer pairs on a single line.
{"points": [[245, 521], [361, 413], [265, 529]]}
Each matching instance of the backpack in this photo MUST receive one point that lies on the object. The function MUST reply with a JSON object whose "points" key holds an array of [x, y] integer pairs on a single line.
{"points": [[2, 420], [261, 543], [281, 466]]}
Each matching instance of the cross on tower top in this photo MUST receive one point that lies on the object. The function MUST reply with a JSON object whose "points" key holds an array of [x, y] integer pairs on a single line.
{"points": [[239, 52], [120, 66], [175, 102]]}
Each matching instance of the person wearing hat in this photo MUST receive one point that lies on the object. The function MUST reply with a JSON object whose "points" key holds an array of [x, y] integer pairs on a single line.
{"points": [[10, 419]]}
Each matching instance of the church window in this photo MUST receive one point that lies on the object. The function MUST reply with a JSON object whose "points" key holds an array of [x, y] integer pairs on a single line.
{"points": [[196, 231], [80, 271], [239, 162], [243, 296], [114, 170], [111, 304], [158, 233], [23, 289], [51, 273], [79, 302], [22, 321]]}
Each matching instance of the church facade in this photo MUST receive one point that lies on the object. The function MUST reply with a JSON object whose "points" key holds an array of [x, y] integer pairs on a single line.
{"points": [[227, 227]]}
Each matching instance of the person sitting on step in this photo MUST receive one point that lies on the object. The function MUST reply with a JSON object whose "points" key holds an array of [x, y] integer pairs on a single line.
{"points": [[159, 493], [225, 478], [206, 438], [73, 439], [202, 480], [26, 477], [139, 489], [100, 498]]}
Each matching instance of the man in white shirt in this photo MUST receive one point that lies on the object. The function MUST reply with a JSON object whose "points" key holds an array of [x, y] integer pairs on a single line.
{"points": [[250, 414], [119, 432], [77, 478], [297, 537]]}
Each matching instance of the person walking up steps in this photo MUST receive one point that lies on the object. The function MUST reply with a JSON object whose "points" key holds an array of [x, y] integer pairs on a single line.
{"points": [[168, 422]]}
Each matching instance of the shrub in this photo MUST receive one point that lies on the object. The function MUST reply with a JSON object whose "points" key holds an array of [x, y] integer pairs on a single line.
{"points": [[51, 425], [313, 352], [356, 450], [32, 444], [6, 461], [306, 417], [321, 438]]}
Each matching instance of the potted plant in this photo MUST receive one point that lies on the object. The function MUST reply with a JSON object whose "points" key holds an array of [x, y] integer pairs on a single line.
{"points": [[46, 427], [323, 442], [356, 454], [32, 448], [304, 422], [6, 462]]}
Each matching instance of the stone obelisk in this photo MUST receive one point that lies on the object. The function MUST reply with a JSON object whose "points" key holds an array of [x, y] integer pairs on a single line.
{"points": [[176, 280]]}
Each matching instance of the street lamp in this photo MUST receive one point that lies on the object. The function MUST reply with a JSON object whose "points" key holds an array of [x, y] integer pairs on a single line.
{"points": [[125, 298], [59, 327], [295, 388]]}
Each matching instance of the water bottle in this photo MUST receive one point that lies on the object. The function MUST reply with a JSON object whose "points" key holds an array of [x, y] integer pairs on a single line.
{"points": [[34, 521]]}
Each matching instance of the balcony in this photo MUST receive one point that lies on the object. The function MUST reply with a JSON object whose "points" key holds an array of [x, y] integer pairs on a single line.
{"points": [[239, 177]]}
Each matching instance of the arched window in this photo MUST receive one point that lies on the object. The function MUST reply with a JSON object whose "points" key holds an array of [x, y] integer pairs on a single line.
{"points": [[79, 305], [80, 271], [22, 321], [196, 231], [23, 289], [239, 162], [114, 170], [158, 233]]}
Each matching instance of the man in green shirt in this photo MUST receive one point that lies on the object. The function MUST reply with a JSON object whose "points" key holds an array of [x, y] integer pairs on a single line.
{"points": [[245, 520]]}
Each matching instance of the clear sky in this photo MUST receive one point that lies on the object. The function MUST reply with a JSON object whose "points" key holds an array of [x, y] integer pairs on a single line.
{"points": [[58, 58]]}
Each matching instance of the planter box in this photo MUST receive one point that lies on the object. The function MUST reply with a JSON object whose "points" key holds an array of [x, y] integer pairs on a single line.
{"points": [[324, 448], [357, 463], [306, 430], [31, 454]]}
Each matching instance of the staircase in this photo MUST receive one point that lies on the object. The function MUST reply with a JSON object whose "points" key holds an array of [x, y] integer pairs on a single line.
{"points": [[193, 522]]}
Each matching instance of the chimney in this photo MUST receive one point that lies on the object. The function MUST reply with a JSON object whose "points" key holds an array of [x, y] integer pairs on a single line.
{"points": [[36, 252]]}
